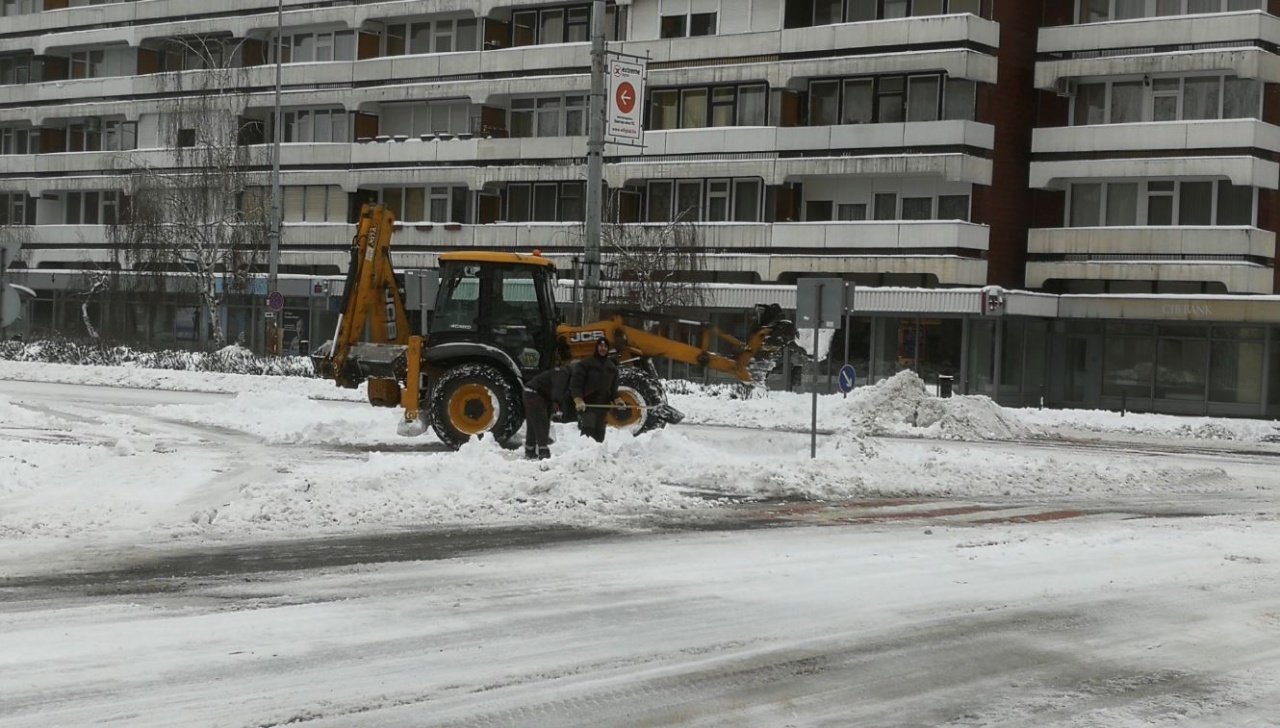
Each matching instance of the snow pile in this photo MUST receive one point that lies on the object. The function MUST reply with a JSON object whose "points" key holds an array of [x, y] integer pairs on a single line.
{"points": [[15, 416], [900, 405], [232, 359], [291, 418], [968, 418], [1084, 423]]}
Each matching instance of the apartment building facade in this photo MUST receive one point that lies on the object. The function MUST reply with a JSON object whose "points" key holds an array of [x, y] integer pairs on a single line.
{"points": [[1103, 148]]}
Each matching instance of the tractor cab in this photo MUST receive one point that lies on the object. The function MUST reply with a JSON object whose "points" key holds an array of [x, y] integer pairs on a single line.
{"points": [[502, 300]]}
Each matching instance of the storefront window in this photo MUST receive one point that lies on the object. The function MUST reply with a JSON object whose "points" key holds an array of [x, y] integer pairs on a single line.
{"points": [[1127, 366], [1180, 370], [888, 349], [1274, 388], [982, 359], [1235, 365]]}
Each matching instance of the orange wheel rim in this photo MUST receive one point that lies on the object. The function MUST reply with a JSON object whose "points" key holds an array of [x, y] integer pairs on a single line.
{"points": [[471, 409], [633, 412]]}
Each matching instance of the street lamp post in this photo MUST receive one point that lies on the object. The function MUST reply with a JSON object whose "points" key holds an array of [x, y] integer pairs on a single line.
{"points": [[274, 334], [595, 168]]}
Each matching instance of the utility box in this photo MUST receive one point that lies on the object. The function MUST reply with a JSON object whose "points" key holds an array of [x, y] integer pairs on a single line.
{"points": [[820, 303]]}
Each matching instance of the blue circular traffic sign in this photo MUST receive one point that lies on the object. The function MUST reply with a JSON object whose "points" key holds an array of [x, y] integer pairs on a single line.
{"points": [[275, 300], [848, 378]]}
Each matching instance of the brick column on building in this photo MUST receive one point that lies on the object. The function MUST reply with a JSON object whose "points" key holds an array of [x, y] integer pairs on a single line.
{"points": [[1010, 105], [1268, 200]]}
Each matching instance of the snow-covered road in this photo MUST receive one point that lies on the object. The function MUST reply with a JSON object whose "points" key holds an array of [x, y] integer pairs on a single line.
{"points": [[263, 558]]}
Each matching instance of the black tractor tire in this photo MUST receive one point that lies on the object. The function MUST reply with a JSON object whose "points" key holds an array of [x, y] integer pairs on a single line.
{"points": [[636, 386], [475, 400]]}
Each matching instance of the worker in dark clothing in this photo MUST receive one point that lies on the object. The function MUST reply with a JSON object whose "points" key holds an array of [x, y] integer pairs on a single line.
{"points": [[542, 396], [594, 386]]}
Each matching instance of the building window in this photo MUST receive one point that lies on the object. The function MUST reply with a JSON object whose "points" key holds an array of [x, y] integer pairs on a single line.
{"points": [[314, 203], [334, 45], [701, 24], [556, 25], [1191, 98], [917, 208], [746, 200], [548, 116], [317, 126], [851, 212], [1160, 203], [545, 202], [858, 102], [186, 138], [953, 207], [419, 119], [890, 99], [440, 36], [441, 203], [16, 70], [687, 25], [16, 208], [923, 102], [717, 200], [10, 8], [688, 200], [91, 207], [695, 200], [87, 64], [693, 108], [1122, 204], [818, 210], [753, 105], [15, 140], [190, 54], [885, 206], [119, 135], [700, 107], [1099, 11]]}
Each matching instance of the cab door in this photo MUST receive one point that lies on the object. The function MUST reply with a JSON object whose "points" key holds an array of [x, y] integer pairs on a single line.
{"points": [[520, 315]]}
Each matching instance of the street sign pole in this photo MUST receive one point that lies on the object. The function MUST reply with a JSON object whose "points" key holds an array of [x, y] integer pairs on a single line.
{"points": [[820, 303], [813, 423]]}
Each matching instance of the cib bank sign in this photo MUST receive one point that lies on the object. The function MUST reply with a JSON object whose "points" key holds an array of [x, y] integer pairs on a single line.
{"points": [[624, 122]]}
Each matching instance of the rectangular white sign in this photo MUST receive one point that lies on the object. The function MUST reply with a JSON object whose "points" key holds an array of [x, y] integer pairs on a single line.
{"points": [[624, 117]]}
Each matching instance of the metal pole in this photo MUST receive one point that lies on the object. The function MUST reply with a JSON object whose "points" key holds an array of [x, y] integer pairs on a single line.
{"points": [[813, 424], [273, 263], [595, 167]]}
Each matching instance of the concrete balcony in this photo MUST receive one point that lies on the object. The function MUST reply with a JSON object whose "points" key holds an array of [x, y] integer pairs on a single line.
{"points": [[766, 250], [1237, 277], [1170, 136], [1241, 170], [1247, 31], [1137, 241], [933, 30], [720, 237], [950, 167], [812, 138]]}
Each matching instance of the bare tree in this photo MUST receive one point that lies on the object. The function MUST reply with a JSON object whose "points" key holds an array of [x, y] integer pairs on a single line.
{"points": [[653, 265], [198, 215]]}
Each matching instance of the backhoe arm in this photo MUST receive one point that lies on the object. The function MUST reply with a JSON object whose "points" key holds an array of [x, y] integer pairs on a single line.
{"points": [[748, 361], [371, 299]]}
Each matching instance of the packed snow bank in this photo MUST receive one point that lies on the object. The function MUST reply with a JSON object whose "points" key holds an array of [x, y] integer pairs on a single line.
{"points": [[900, 405]]}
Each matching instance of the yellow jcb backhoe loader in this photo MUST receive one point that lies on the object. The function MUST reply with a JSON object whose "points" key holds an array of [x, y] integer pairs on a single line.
{"points": [[491, 324]]}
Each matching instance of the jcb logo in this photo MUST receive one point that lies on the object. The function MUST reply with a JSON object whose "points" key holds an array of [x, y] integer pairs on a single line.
{"points": [[581, 336]]}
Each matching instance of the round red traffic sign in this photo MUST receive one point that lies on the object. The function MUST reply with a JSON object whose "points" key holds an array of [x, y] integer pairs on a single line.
{"points": [[625, 97]]}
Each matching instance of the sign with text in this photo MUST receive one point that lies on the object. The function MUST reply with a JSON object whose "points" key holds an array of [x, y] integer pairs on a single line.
{"points": [[624, 116]]}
